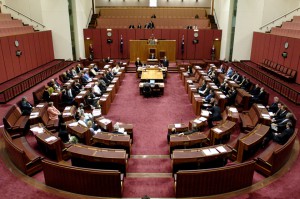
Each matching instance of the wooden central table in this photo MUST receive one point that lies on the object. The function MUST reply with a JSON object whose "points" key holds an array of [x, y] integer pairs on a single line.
{"points": [[156, 75]]}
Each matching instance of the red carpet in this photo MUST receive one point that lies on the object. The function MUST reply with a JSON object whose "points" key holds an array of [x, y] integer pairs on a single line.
{"points": [[147, 165]]}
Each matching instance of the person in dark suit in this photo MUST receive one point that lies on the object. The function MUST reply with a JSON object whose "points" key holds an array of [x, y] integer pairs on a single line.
{"points": [[281, 113], [78, 68], [66, 99], [229, 72], [46, 95], [274, 106], [190, 70], [222, 69], [76, 87], [152, 56], [138, 63], [65, 77], [139, 26], [255, 91], [25, 107], [283, 137], [215, 114], [231, 96], [280, 123], [259, 97], [165, 62], [225, 89], [69, 74], [202, 87], [91, 50], [209, 96]]}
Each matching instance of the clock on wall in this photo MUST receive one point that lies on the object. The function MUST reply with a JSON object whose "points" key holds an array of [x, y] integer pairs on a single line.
{"points": [[196, 34], [109, 34], [286, 45], [16, 43]]}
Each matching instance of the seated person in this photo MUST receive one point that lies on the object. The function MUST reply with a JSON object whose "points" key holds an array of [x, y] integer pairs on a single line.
{"points": [[205, 92], [202, 87], [116, 69], [53, 112], [92, 100], [63, 133], [281, 113], [25, 107], [78, 68], [107, 60], [64, 78], [96, 89], [165, 62], [69, 74], [246, 85], [260, 96], [225, 88], [222, 69], [46, 94], [93, 129], [280, 137], [190, 70], [209, 96], [117, 130], [73, 71], [232, 93], [215, 114], [77, 87], [85, 78], [54, 84], [109, 74], [92, 73], [237, 78], [255, 91], [274, 106], [138, 63], [105, 79], [102, 85], [229, 72], [152, 56], [279, 124], [139, 26]]}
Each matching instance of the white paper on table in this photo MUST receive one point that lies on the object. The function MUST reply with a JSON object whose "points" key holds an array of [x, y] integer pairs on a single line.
{"points": [[233, 109], [205, 113], [49, 139], [214, 87], [111, 86], [232, 82], [218, 92], [105, 121], [109, 89], [96, 112], [79, 96], [82, 92], [121, 130], [189, 81], [177, 125], [37, 129], [213, 151], [68, 108], [40, 105], [206, 152], [218, 130], [222, 96], [265, 115], [106, 66], [197, 121], [202, 119], [261, 106], [271, 114], [73, 124], [105, 95], [66, 114], [54, 94], [221, 149]]}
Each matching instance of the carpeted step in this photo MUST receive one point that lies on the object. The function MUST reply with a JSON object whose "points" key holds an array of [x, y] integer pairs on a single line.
{"points": [[152, 187], [149, 165]]}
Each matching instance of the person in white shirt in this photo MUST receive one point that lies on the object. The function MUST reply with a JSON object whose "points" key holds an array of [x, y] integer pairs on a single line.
{"points": [[116, 69], [96, 90]]}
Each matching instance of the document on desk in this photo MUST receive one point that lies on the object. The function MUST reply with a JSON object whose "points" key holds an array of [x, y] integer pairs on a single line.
{"points": [[73, 124], [49, 139], [213, 151], [68, 108], [67, 114], [206, 152], [217, 130], [221, 149], [40, 105], [261, 106], [34, 115], [233, 109], [205, 113], [177, 125], [37, 130]]}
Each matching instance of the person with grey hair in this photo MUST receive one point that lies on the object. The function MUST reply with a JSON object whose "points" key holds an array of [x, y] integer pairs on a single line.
{"points": [[25, 106]]}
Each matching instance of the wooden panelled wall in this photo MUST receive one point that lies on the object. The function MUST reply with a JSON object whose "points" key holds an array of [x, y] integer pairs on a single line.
{"points": [[271, 47], [191, 51], [37, 49]]}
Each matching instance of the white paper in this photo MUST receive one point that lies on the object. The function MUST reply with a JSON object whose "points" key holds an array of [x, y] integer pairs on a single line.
{"points": [[121, 130], [40, 105], [68, 108], [79, 96], [271, 114], [105, 121], [205, 112], [177, 125], [67, 114], [213, 151], [73, 124], [260, 106], [206, 152], [222, 96], [221, 149], [54, 94], [197, 121], [82, 92], [218, 130], [37, 129], [232, 109], [49, 139], [96, 112], [202, 119]]}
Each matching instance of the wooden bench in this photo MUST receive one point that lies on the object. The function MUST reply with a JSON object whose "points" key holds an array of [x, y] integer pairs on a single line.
{"points": [[38, 95], [95, 182], [275, 156], [196, 183], [280, 70], [21, 154], [14, 122]]}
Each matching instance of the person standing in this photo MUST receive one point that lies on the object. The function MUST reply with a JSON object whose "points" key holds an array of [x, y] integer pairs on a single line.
{"points": [[165, 62], [91, 50]]}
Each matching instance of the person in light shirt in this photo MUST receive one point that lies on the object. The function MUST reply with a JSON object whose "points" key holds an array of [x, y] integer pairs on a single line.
{"points": [[53, 112], [116, 69], [96, 90]]}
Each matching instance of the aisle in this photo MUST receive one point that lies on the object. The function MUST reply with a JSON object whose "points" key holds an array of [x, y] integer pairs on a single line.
{"points": [[149, 168]]}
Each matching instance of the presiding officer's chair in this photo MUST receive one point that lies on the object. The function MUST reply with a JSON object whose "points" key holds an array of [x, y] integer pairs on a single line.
{"points": [[147, 91]]}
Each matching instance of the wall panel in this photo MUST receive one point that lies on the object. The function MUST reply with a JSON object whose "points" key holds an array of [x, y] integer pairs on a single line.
{"points": [[50, 44], [124, 34], [290, 50], [26, 52], [277, 50], [7, 57], [96, 38], [200, 45], [271, 47], [105, 47], [139, 34], [3, 76], [32, 52], [115, 45], [266, 46], [15, 59], [37, 49], [191, 48], [208, 35], [165, 33]]}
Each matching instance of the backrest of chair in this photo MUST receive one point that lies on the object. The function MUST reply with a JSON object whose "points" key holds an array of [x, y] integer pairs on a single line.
{"points": [[11, 116], [45, 117]]}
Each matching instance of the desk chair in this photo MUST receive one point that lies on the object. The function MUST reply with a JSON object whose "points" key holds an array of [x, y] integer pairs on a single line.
{"points": [[147, 90]]}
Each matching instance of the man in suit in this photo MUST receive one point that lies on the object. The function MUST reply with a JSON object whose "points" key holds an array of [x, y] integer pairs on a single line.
{"points": [[215, 114], [46, 95], [260, 96], [77, 87], [25, 107], [225, 88], [139, 26], [280, 123], [165, 62], [281, 113], [274, 106], [231, 96], [255, 91], [138, 63], [152, 56], [283, 137], [91, 50], [209, 96]]}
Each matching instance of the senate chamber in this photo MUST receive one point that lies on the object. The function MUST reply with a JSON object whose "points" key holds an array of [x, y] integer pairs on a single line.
{"points": [[149, 98]]}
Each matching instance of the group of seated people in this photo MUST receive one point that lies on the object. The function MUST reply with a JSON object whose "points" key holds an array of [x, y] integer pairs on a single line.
{"points": [[164, 62]]}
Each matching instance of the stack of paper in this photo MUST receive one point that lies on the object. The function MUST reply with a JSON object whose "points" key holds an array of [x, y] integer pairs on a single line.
{"points": [[177, 125], [34, 115], [68, 108], [233, 109], [66, 114], [197, 121], [73, 124], [218, 130], [222, 96], [52, 138], [37, 130], [205, 113], [40, 105], [221, 149], [82, 92], [260, 106], [105, 121], [96, 112], [202, 119]]}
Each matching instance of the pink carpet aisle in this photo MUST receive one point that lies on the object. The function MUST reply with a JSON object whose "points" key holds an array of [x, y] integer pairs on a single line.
{"points": [[150, 117]]}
